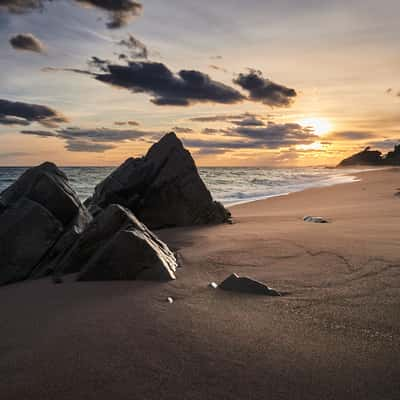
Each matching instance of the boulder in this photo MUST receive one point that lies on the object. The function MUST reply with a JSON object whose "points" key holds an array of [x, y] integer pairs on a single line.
{"points": [[365, 157], [163, 189], [40, 218], [234, 283], [316, 220], [393, 157], [117, 246]]}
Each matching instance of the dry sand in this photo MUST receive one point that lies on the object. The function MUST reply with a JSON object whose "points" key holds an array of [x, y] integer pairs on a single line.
{"points": [[335, 335]]}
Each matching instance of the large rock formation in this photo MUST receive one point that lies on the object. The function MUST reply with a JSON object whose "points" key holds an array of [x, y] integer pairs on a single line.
{"points": [[40, 218], [373, 158], [365, 157], [393, 157], [163, 189], [116, 246]]}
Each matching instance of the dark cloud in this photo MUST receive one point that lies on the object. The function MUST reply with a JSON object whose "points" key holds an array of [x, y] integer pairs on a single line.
{"points": [[224, 117], [88, 147], [264, 90], [250, 121], [18, 113], [92, 140], [136, 48], [120, 11], [21, 6], [27, 42], [13, 121], [210, 152], [179, 129], [272, 136], [182, 89], [350, 135]]}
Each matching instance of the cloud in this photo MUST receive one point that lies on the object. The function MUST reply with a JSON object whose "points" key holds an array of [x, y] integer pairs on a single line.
{"points": [[178, 129], [88, 147], [250, 121], [20, 6], [264, 90], [131, 123], [384, 144], [136, 48], [224, 117], [18, 113], [92, 139], [27, 42], [274, 135], [271, 136], [14, 154], [120, 12], [210, 152], [217, 68], [210, 131], [166, 88], [350, 135]]}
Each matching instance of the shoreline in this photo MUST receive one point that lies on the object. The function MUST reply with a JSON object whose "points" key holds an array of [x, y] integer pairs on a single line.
{"points": [[335, 334]]}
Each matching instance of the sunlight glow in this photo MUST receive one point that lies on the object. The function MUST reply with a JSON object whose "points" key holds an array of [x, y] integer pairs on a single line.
{"points": [[320, 126]]}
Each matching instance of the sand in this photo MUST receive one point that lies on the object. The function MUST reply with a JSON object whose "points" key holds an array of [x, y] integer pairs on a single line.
{"points": [[334, 335]]}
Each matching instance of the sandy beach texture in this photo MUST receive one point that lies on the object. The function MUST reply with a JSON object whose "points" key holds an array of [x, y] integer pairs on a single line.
{"points": [[334, 335]]}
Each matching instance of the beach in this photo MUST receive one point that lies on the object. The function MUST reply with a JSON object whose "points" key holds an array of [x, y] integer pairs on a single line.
{"points": [[334, 334]]}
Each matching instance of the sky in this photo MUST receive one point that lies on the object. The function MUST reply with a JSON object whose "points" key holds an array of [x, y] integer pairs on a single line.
{"points": [[255, 83]]}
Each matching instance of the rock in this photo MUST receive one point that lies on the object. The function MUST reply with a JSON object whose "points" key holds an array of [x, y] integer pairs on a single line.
{"points": [[213, 285], [393, 157], [246, 285], [365, 157], [40, 217], [170, 300], [317, 220], [163, 189], [373, 158], [116, 246]]}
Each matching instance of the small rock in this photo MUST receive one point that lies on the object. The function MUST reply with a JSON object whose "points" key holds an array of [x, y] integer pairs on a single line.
{"points": [[213, 285], [317, 220], [246, 285], [170, 300]]}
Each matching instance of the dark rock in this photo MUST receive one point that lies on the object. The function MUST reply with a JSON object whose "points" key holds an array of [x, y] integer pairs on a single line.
{"points": [[393, 157], [246, 285], [163, 189], [116, 246], [365, 157], [27, 232], [40, 218], [316, 220]]}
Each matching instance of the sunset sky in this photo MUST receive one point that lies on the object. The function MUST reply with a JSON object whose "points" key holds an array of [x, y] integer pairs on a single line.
{"points": [[246, 83]]}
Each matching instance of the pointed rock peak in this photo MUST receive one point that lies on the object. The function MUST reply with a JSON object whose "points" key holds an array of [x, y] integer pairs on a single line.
{"points": [[165, 145]]}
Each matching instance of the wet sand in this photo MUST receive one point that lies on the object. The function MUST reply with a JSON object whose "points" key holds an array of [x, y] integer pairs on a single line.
{"points": [[335, 334]]}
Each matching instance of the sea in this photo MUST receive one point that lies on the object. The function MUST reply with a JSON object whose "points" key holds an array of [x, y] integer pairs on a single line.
{"points": [[233, 185]]}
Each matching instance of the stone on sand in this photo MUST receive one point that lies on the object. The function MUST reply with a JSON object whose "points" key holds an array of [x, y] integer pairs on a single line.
{"points": [[163, 189], [316, 220], [235, 283]]}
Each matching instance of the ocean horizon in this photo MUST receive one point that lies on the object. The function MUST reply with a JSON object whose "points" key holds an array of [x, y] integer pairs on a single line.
{"points": [[229, 185]]}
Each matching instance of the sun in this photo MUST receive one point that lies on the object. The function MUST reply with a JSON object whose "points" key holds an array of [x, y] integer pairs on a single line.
{"points": [[320, 126]]}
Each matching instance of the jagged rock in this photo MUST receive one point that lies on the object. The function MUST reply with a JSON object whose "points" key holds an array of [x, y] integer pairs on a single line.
{"points": [[365, 157], [116, 246], [316, 220], [40, 217], [246, 285], [163, 189], [393, 157]]}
